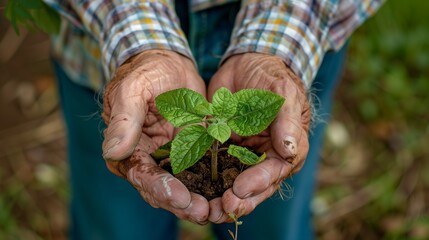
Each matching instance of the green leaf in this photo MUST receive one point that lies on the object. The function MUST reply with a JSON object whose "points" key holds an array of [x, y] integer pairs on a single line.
{"points": [[23, 14], [30, 13], [178, 106], [256, 109], [31, 4], [47, 19], [162, 152], [223, 103], [10, 14], [189, 146], [204, 109], [220, 131], [245, 155]]}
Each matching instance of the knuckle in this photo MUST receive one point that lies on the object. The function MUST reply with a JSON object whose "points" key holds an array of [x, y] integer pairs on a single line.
{"points": [[262, 176], [120, 117], [150, 199]]}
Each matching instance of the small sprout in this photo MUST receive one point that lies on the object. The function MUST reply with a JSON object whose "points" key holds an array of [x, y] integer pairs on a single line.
{"points": [[237, 223], [247, 112]]}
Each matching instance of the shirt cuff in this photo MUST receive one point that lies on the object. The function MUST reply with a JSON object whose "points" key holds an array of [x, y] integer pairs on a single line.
{"points": [[291, 30]]}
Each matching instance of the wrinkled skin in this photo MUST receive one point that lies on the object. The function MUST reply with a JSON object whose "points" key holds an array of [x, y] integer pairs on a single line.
{"points": [[285, 142], [135, 129]]}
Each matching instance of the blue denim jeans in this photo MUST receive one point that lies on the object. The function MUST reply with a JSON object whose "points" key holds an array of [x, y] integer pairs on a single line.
{"points": [[105, 207]]}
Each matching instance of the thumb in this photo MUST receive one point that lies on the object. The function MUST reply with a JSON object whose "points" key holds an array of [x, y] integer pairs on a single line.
{"points": [[290, 129], [128, 107]]}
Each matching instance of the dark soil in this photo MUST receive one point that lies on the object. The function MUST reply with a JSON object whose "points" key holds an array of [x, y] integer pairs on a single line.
{"points": [[198, 177]]}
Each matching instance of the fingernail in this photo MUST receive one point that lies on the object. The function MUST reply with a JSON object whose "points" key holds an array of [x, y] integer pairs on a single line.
{"points": [[198, 221], [180, 204], [247, 195], [110, 145], [175, 204], [220, 216], [290, 145]]}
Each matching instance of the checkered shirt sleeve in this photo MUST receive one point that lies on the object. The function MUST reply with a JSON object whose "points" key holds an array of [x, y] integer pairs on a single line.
{"points": [[124, 28], [298, 31]]}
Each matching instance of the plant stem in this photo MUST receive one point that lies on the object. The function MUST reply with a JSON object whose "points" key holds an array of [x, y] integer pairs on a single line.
{"points": [[215, 150], [236, 230], [237, 223]]}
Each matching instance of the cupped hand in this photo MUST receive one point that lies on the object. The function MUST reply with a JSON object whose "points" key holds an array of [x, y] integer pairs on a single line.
{"points": [[135, 129], [285, 142]]}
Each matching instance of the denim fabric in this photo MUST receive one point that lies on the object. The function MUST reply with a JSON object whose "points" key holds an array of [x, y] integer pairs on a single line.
{"points": [[106, 207], [209, 36], [291, 219]]}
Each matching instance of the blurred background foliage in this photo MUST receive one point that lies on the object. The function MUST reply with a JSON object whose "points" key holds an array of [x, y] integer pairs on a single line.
{"points": [[374, 178], [374, 173], [33, 14]]}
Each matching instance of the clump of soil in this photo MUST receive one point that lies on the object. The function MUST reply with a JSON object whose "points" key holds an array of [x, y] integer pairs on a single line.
{"points": [[198, 177]]}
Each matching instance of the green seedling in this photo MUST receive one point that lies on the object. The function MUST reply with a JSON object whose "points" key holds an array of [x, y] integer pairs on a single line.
{"points": [[205, 126]]}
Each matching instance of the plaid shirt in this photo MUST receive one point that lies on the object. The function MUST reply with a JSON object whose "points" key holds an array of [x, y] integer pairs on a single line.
{"points": [[102, 34]]}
